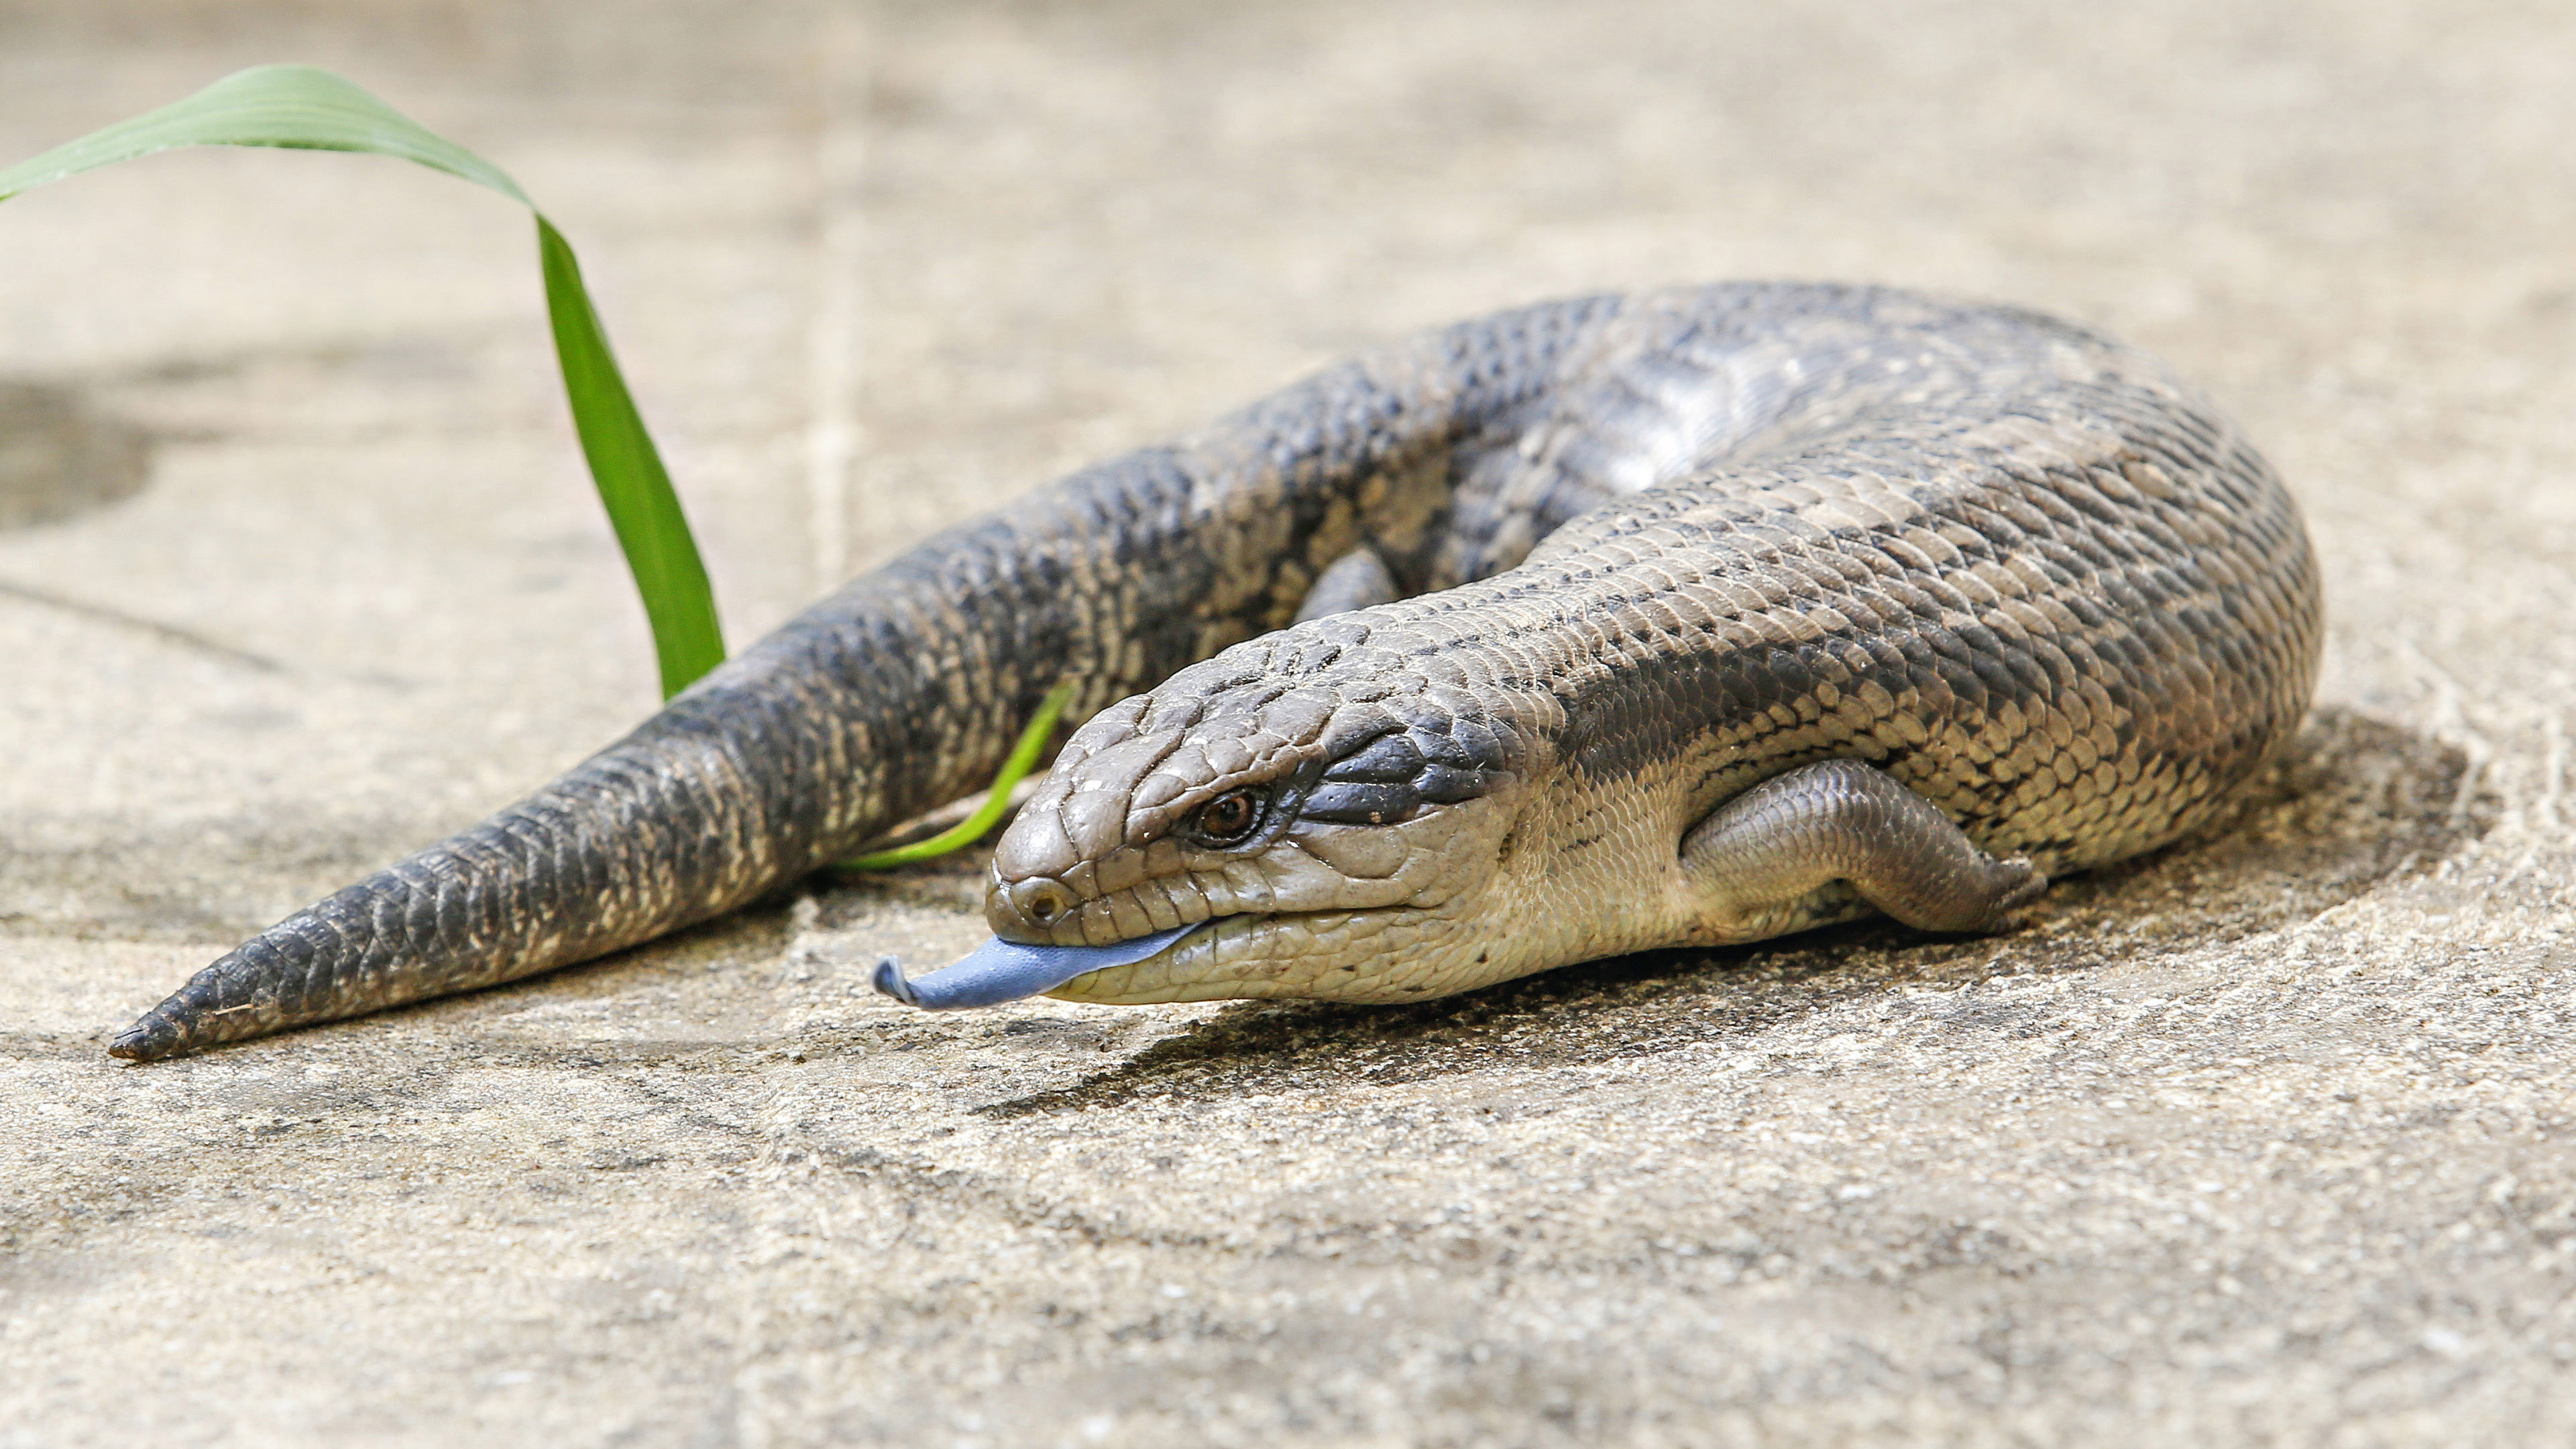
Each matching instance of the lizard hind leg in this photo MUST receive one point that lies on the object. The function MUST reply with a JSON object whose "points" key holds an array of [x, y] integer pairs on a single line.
{"points": [[1795, 850]]}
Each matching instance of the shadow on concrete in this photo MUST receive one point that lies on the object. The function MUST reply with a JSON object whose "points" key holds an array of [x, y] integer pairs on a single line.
{"points": [[2354, 803], [61, 458]]}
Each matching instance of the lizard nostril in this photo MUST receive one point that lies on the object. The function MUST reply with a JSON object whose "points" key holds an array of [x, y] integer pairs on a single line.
{"points": [[1045, 904]]}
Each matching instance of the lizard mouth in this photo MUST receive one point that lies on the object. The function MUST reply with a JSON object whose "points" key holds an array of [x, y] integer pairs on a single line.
{"points": [[1000, 971]]}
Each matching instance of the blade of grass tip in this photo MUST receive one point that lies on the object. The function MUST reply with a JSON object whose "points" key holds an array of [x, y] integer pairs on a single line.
{"points": [[1024, 757], [300, 107]]}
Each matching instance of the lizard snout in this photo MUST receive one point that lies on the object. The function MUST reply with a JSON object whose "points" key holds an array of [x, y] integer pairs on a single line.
{"points": [[1028, 910]]}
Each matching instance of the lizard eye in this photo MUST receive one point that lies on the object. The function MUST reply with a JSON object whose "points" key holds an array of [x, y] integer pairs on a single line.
{"points": [[1227, 819]]}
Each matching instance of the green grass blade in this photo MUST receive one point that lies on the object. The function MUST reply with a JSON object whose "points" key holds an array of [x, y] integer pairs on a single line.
{"points": [[1024, 757], [678, 601], [298, 107], [302, 108]]}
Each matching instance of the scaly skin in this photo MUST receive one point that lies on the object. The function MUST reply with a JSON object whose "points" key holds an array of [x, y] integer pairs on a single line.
{"points": [[2014, 567], [2014, 564]]}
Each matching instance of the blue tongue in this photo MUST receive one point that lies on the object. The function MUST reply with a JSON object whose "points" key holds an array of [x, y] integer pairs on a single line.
{"points": [[1000, 971]]}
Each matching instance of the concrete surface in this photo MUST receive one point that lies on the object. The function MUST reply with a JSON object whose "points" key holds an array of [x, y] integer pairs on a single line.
{"points": [[2266, 1141]]}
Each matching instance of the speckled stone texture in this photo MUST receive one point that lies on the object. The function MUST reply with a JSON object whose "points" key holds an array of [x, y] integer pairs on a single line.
{"points": [[2261, 1140]]}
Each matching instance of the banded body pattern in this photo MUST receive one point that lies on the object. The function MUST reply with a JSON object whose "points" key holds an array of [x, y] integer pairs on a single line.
{"points": [[2016, 567], [1657, 549]]}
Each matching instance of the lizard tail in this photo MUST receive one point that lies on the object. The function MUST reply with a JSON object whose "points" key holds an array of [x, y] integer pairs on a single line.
{"points": [[709, 804], [899, 693]]}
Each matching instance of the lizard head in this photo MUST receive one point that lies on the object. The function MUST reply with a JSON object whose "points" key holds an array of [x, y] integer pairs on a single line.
{"points": [[1238, 834]]}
